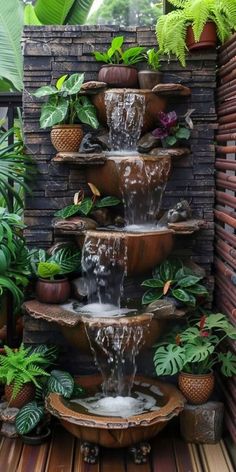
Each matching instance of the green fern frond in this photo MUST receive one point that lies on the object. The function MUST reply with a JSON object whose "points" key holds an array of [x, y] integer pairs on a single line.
{"points": [[171, 34]]}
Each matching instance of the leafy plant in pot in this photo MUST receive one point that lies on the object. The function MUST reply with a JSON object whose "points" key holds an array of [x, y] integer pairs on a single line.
{"points": [[152, 76], [66, 106], [52, 286], [194, 352], [195, 24], [120, 70], [169, 131]]}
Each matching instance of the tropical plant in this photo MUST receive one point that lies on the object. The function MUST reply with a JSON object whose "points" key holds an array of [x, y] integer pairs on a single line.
{"points": [[61, 262], [196, 349], [171, 28], [13, 15], [169, 131], [153, 59], [18, 367], [15, 170], [85, 205], [64, 104], [116, 55], [173, 279]]}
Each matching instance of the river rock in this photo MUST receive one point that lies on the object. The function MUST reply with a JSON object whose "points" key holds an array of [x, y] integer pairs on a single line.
{"points": [[8, 414], [93, 86], [75, 223], [8, 430], [202, 423], [147, 142], [89, 144], [102, 216]]}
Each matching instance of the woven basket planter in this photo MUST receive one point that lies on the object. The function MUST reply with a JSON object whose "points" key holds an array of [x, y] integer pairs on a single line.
{"points": [[25, 395], [67, 138], [197, 389]]}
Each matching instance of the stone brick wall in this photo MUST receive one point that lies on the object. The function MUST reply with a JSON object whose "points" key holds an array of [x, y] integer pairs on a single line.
{"points": [[52, 51]]}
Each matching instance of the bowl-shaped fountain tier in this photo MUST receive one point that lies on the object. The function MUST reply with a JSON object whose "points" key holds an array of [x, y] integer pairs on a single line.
{"points": [[118, 431], [131, 97]]}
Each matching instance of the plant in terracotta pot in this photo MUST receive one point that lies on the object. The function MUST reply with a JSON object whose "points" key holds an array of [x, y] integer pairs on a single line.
{"points": [[195, 24], [64, 108], [52, 286], [19, 371], [194, 352], [169, 130], [173, 280], [120, 70], [152, 76]]}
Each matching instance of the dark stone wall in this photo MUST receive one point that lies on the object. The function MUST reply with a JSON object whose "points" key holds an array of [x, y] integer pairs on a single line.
{"points": [[52, 51]]}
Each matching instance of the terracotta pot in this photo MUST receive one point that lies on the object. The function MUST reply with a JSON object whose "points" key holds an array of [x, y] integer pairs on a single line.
{"points": [[197, 389], [26, 395], [119, 75], [207, 39], [153, 105], [67, 138], [149, 78], [52, 291]]}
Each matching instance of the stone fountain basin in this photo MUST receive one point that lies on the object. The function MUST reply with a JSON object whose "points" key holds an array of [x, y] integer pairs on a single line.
{"points": [[122, 173], [153, 105], [142, 251], [116, 432]]}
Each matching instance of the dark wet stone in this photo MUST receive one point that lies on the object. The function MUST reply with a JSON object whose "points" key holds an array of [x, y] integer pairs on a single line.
{"points": [[89, 144], [147, 142]]}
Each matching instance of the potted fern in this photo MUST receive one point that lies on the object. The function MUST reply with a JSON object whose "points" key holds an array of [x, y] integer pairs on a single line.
{"points": [[194, 352], [195, 24], [152, 76], [52, 286], [64, 108]]}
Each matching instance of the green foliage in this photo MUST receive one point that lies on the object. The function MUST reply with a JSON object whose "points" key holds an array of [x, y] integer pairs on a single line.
{"points": [[196, 348], [28, 418], [153, 59], [61, 382], [64, 104], [48, 270], [116, 55], [173, 279], [19, 367], [171, 28], [60, 262]]}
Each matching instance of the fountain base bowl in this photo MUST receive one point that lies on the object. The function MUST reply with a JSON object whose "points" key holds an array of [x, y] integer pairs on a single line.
{"points": [[117, 432]]}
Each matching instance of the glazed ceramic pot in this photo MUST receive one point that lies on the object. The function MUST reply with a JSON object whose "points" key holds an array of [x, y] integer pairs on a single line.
{"points": [[207, 39], [118, 75], [26, 395], [149, 78], [197, 389], [52, 291], [67, 138]]}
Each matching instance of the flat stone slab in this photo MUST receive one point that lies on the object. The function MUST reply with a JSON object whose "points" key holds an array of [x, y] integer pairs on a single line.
{"points": [[74, 224], [80, 158], [202, 423], [172, 152], [93, 86], [172, 90], [187, 227], [51, 313]]}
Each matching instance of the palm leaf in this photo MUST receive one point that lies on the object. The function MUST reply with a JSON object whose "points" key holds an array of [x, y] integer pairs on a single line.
{"points": [[79, 12], [53, 12], [11, 25]]}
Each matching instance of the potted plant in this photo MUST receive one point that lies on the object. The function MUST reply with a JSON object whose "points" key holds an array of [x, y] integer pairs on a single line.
{"points": [[195, 24], [52, 286], [172, 279], [120, 70], [194, 352], [62, 110], [152, 76], [19, 371], [169, 131]]}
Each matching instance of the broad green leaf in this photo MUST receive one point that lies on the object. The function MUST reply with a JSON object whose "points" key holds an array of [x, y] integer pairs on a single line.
{"points": [[47, 270], [86, 206], [45, 91], [68, 258], [188, 281], [30, 17], [165, 270], [231, 332], [117, 43], [53, 12], [190, 334], [151, 296], [73, 84], [197, 289], [133, 55], [28, 418], [181, 295], [61, 382], [79, 12], [11, 26], [61, 81], [101, 56], [217, 320], [182, 133], [170, 140], [68, 211], [107, 202], [153, 283], [169, 360], [228, 363], [86, 112], [198, 351], [53, 112]]}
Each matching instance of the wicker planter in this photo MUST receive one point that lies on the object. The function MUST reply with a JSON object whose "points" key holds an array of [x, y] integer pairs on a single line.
{"points": [[207, 39], [119, 75], [149, 78], [26, 395], [67, 138], [52, 291], [197, 389]]}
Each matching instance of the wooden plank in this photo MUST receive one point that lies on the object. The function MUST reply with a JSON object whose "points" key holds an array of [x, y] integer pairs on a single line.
{"points": [[193, 451], [163, 458], [60, 457], [183, 456], [33, 458], [213, 458], [10, 454], [112, 460], [80, 465]]}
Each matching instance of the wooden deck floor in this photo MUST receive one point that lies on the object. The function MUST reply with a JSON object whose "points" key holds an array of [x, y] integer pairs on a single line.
{"points": [[62, 454]]}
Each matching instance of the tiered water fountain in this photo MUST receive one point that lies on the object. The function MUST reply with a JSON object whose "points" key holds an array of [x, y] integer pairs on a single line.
{"points": [[119, 409]]}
